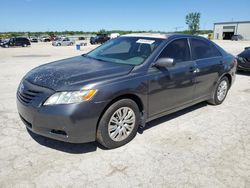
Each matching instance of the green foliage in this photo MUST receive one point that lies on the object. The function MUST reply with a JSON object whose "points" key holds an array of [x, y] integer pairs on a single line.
{"points": [[193, 22], [200, 32], [102, 31], [55, 33], [59, 33]]}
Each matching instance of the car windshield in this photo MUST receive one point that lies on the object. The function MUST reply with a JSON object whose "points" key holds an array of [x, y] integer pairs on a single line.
{"points": [[126, 50]]}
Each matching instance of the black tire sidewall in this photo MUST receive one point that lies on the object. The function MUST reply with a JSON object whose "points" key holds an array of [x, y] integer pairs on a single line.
{"points": [[102, 132], [216, 100]]}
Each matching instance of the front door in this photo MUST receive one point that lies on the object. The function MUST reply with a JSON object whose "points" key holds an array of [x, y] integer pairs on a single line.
{"points": [[172, 87]]}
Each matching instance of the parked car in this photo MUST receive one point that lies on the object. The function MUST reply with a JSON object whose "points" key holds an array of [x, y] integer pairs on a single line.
{"points": [[107, 94], [63, 42], [244, 60], [33, 39], [237, 37], [81, 38], [3, 41], [45, 39], [114, 35], [99, 39], [20, 41]]}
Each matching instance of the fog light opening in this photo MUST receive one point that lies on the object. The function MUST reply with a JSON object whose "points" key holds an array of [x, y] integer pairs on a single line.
{"points": [[60, 132]]}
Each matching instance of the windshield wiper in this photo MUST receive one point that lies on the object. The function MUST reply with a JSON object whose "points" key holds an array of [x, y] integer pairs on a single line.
{"points": [[98, 59]]}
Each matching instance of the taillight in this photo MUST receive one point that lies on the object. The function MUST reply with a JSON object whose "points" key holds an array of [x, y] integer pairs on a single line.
{"points": [[235, 62]]}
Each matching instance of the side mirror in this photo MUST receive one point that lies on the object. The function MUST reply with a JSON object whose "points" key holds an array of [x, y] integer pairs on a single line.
{"points": [[165, 62]]}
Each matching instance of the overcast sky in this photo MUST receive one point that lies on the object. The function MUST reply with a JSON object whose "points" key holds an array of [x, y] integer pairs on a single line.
{"points": [[93, 15]]}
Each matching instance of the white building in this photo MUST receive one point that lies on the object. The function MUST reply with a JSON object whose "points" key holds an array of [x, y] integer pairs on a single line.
{"points": [[225, 30]]}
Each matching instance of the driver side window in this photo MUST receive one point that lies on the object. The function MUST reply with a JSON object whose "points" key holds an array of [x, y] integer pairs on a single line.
{"points": [[178, 50]]}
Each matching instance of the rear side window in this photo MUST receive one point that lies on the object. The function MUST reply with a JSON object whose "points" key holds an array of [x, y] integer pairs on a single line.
{"points": [[202, 49], [178, 50], [21, 39]]}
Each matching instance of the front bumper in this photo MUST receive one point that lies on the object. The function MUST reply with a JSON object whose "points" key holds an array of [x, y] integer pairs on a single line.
{"points": [[243, 67], [75, 123]]}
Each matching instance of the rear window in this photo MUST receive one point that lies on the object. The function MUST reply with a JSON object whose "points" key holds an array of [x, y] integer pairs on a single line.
{"points": [[202, 49]]}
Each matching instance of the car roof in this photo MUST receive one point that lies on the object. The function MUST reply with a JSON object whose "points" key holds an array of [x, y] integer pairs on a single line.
{"points": [[156, 35]]}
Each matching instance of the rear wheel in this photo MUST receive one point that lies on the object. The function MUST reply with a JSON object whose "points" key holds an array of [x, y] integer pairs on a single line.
{"points": [[119, 124], [220, 92]]}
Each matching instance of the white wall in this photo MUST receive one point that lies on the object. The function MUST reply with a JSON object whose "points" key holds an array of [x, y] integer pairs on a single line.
{"points": [[244, 30]]}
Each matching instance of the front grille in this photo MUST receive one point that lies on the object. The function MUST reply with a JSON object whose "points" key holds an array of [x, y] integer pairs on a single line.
{"points": [[27, 96]]}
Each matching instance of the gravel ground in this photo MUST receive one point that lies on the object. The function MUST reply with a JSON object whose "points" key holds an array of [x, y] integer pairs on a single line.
{"points": [[201, 146]]}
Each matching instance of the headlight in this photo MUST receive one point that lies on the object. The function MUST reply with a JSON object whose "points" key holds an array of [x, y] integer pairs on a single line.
{"points": [[241, 59], [70, 97]]}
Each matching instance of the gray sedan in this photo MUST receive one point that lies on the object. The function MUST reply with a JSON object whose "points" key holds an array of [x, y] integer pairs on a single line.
{"points": [[107, 94], [63, 42]]}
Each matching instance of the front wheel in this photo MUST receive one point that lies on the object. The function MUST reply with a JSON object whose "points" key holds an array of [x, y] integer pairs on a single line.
{"points": [[119, 124], [220, 92]]}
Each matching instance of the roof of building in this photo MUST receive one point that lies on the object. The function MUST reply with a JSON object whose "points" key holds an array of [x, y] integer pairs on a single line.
{"points": [[233, 22]]}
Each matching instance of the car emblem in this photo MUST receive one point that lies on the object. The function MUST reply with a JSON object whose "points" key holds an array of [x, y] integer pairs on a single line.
{"points": [[21, 88]]}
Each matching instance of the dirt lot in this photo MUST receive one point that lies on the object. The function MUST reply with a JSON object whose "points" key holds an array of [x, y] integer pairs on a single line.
{"points": [[202, 146]]}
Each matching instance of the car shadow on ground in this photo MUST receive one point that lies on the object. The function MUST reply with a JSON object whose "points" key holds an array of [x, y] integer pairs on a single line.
{"points": [[91, 147]]}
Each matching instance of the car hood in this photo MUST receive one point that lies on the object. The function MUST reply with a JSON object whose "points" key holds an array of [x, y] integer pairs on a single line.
{"points": [[245, 54], [74, 73]]}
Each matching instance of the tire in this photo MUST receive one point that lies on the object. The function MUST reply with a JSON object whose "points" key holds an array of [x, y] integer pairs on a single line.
{"points": [[25, 45], [220, 92], [71, 44], [6, 46], [120, 135], [58, 44]]}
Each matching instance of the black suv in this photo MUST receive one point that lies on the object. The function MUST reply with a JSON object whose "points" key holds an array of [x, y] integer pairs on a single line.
{"points": [[99, 39], [107, 94], [20, 41]]}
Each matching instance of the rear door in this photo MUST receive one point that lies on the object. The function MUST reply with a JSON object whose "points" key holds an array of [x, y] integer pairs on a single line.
{"points": [[209, 64], [172, 87]]}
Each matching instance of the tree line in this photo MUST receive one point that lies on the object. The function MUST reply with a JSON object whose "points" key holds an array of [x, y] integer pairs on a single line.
{"points": [[192, 20]]}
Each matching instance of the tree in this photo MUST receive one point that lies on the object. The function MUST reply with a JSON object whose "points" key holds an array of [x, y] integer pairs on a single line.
{"points": [[193, 22], [102, 31]]}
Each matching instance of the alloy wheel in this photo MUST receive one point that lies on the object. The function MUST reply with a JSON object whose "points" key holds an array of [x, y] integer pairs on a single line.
{"points": [[121, 124], [222, 90]]}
